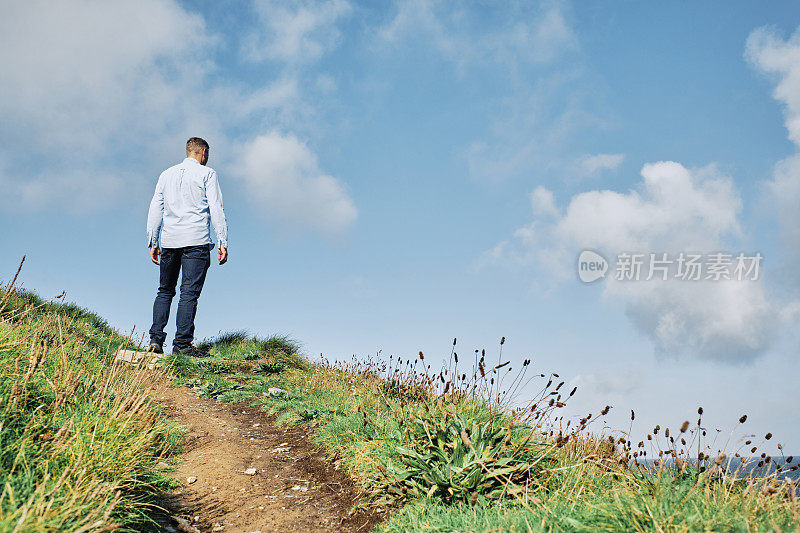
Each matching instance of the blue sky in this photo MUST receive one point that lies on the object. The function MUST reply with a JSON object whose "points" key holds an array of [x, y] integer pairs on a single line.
{"points": [[397, 174]]}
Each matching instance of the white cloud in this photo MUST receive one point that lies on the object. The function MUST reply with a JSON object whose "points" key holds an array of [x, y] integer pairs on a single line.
{"points": [[296, 32], [673, 210], [784, 197], [280, 94], [92, 88], [285, 182], [81, 82], [592, 164], [543, 202], [75, 71], [780, 59], [676, 209], [519, 33], [415, 17]]}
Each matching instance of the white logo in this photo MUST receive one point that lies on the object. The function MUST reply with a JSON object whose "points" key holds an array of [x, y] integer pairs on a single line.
{"points": [[591, 266]]}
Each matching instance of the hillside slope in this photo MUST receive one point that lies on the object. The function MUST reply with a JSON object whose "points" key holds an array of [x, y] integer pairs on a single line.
{"points": [[442, 450], [80, 437], [83, 441]]}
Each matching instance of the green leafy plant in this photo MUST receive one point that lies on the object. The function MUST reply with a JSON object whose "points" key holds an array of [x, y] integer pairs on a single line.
{"points": [[307, 415], [456, 459], [270, 368], [217, 387], [214, 367]]}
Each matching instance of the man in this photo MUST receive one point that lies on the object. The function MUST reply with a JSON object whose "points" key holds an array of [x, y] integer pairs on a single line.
{"points": [[187, 200]]}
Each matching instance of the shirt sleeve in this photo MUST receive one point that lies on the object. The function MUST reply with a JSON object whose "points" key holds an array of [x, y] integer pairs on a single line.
{"points": [[214, 197], [155, 216]]}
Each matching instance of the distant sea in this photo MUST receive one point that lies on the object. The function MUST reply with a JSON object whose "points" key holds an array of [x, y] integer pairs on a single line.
{"points": [[747, 467]]}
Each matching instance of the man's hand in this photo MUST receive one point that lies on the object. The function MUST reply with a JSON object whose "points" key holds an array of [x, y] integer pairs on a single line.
{"points": [[155, 255], [223, 255]]}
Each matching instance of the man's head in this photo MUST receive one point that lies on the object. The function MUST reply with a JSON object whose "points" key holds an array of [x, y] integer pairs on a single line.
{"points": [[197, 148]]}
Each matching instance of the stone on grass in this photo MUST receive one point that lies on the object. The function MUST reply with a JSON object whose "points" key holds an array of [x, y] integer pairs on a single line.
{"points": [[184, 525]]}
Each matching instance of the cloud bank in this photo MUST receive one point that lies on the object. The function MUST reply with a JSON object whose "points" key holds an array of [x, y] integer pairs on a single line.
{"points": [[676, 209], [286, 184], [517, 34], [593, 164], [779, 59], [81, 82], [88, 94], [673, 209], [296, 32]]}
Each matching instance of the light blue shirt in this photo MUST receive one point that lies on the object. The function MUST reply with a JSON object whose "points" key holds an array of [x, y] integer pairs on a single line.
{"points": [[186, 202]]}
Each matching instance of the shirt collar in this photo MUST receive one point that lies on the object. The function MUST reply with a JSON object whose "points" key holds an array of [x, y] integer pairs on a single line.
{"points": [[191, 160]]}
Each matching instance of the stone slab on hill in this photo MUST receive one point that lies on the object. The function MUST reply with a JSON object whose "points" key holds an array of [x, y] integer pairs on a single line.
{"points": [[137, 358]]}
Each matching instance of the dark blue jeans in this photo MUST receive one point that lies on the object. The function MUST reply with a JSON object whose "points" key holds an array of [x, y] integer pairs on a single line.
{"points": [[194, 261]]}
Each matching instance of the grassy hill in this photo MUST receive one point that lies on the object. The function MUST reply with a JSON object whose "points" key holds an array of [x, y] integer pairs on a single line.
{"points": [[442, 451], [436, 450], [79, 436]]}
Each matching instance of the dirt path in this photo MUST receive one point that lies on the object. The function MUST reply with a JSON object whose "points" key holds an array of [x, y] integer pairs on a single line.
{"points": [[294, 488]]}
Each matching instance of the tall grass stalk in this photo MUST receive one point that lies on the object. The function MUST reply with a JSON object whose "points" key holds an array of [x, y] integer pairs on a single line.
{"points": [[450, 450], [80, 435]]}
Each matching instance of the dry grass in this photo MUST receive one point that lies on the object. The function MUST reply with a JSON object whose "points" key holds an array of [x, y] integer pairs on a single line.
{"points": [[80, 436], [405, 432]]}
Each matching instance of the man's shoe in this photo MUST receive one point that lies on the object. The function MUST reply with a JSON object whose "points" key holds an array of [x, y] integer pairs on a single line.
{"points": [[155, 348], [190, 350]]}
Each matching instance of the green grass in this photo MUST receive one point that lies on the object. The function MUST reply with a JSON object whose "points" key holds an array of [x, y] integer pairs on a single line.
{"points": [[453, 462], [239, 346], [80, 438]]}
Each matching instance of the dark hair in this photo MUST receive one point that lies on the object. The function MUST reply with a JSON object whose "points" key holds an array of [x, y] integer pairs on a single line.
{"points": [[195, 145]]}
